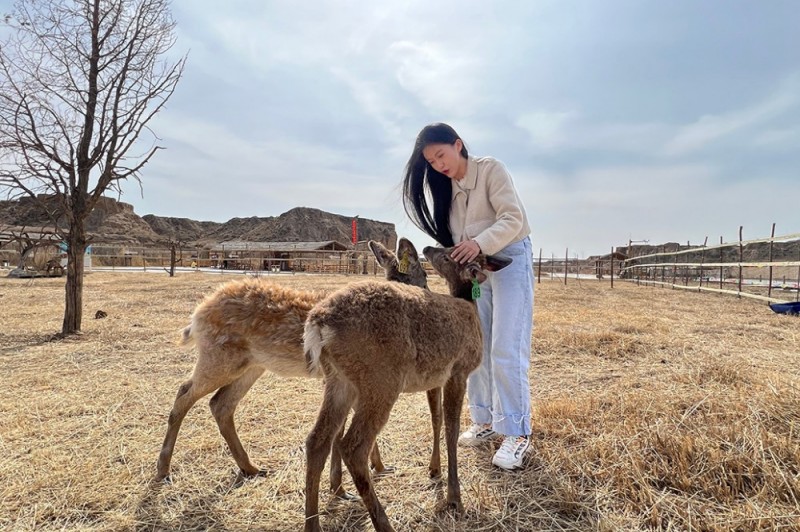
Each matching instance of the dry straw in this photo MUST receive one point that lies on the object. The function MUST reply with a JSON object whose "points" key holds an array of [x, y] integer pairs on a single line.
{"points": [[653, 410]]}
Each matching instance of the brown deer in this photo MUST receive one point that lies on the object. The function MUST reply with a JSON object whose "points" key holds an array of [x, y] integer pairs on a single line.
{"points": [[374, 341], [249, 326]]}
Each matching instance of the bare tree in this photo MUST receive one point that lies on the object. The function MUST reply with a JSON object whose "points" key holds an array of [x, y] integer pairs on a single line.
{"points": [[175, 255], [27, 240], [79, 82]]}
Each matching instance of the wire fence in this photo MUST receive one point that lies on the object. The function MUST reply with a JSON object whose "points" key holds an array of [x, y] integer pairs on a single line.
{"points": [[766, 269]]}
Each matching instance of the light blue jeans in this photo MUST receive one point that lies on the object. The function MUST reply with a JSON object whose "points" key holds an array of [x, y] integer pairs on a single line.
{"points": [[498, 390]]}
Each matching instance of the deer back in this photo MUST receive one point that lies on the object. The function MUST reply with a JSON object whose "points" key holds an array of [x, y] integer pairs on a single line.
{"points": [[257, 322], [397, 330]]}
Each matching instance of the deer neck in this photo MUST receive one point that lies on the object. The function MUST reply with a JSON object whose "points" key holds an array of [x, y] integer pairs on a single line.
{"points": [[463, 291]]}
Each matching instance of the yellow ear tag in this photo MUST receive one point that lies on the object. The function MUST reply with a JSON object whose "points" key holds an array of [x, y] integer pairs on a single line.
{"points": [[403, 266], [476, 290]]}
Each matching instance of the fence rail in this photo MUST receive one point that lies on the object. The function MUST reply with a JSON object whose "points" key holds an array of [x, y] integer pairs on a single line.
{"points": [[746, 275], [326, 261]]}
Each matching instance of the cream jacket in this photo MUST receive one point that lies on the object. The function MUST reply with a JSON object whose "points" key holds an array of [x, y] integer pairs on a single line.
{"points": [[486, 207]]}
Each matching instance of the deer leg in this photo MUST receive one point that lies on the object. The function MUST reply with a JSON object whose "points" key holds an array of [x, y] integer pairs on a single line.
{"points": [[453, 401], [337, 399], [337, 487], [435, 405], [188, 394], [223, 405], [372, 413], [378, 466], [336, 467]]}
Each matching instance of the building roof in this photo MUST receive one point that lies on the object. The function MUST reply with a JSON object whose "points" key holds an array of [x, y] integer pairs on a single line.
{"points": [[10, 233], [242, 245]]}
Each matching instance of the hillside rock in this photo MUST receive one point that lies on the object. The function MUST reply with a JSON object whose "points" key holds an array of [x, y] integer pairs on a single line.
{"points": [[182, 229], [115, 222]]}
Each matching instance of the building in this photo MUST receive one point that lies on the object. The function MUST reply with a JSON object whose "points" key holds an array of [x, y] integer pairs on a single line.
{"points": [[319, 257]]}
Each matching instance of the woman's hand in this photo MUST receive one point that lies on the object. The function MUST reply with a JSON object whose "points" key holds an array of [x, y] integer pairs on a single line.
{"points": [[465, 251]]}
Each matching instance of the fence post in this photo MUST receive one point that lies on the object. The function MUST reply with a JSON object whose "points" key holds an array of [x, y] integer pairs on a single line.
{"points": [[741, 255], [674, 267], [566, 266], [797, 291], [686, 268], [612, 266], [702, 260], [720, 262], [539, 276], [771, 242]]}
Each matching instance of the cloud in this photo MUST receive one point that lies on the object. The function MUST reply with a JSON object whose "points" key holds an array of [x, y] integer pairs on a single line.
{"points": [[444, 80], [568, 131], [779, 139], [613, 122], [547, 129], [709, 129]]}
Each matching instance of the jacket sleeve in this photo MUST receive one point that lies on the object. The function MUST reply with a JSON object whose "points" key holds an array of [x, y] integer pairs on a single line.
{"points": [[509, 218]]}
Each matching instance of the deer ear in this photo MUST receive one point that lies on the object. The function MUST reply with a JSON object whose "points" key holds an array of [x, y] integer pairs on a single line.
{"points": [[473, 272], [384, 257], [493, 264], [407, 249]]}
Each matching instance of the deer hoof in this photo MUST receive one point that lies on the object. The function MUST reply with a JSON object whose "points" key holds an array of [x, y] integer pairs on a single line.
{"points": [[385, 471], [345, 496], [162, 478], [451, 507], [255, 472]]}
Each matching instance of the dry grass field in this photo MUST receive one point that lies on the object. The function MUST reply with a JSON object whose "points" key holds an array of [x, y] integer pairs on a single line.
{"points": [[653, 409]]}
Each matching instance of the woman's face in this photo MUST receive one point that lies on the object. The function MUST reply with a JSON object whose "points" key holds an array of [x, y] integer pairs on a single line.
{"points": [[446, 159]]}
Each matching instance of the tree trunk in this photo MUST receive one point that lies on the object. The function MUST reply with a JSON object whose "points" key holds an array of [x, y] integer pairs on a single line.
{"points": [[172, 260], [73, 312], [23, 254]]}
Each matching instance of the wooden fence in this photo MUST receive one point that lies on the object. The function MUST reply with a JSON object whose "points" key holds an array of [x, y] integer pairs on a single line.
{"points": [[723, 269], [719, 268], [308, 261]]}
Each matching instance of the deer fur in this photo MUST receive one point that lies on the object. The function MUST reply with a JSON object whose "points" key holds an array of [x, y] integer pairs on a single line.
{"points": [[249, 326], [374, 341]]}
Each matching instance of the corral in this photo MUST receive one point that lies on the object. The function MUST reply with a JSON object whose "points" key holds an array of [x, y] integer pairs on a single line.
{"points": [[653, 409]]}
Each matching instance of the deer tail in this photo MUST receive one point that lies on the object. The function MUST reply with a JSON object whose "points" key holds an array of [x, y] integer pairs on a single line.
{"points": [[313, 342]]}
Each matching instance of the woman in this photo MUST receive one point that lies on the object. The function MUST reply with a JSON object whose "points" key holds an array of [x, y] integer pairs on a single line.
{"points": [[475, 207]]}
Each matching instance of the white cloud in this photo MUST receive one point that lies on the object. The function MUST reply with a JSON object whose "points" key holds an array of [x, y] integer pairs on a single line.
{"points": [[445, 80], [711, 128], [563, 131], [780, 139], [547, 129], [598, 114]]}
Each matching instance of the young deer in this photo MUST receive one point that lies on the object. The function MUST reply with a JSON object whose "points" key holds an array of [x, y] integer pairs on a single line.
{"points": [[374, 341], [247, 327]]}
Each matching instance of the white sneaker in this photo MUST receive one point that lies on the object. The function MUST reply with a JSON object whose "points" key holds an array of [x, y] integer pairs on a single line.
{"points": [[511, 452], [476, 435]]}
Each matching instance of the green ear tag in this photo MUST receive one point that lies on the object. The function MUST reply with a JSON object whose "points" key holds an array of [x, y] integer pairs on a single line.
{"points": [[476, 290], [403, 266]]}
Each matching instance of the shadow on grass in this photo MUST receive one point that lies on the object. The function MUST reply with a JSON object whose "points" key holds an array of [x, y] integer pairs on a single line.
{"points": [[198, 510]]}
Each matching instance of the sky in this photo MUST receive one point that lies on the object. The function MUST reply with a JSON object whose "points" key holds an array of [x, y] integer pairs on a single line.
{"points": [[644, 120]]}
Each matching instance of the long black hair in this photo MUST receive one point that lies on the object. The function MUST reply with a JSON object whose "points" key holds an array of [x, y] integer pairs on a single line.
{"points": [[421, 181]]}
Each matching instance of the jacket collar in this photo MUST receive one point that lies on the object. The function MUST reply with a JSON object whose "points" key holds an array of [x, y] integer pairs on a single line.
{"points": [[470, 180]]}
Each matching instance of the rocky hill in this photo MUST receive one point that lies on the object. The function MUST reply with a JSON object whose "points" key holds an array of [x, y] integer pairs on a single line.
{"points": [[301, 224], [114, 222]]}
